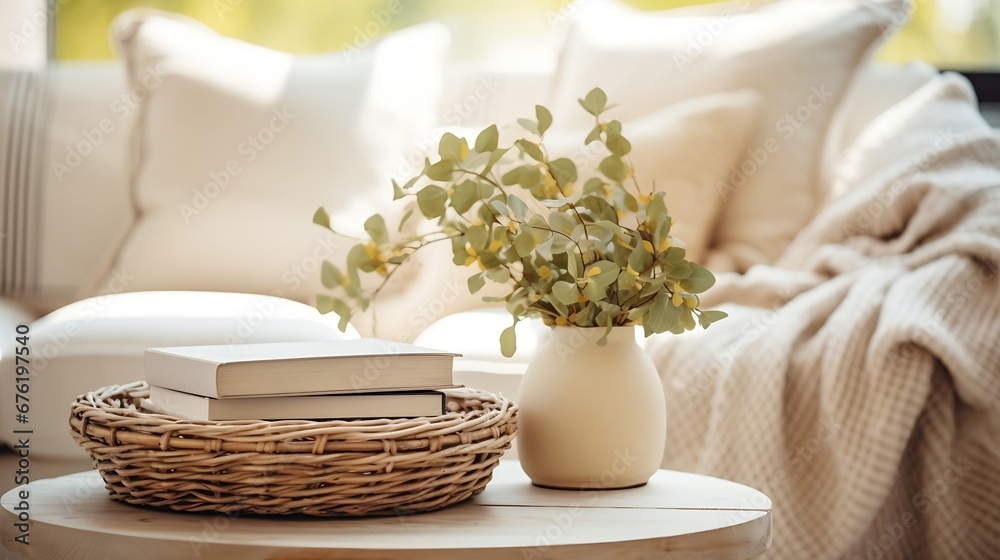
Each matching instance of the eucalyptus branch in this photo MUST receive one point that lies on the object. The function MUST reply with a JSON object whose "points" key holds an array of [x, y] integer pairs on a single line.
{"points": [[544, 278]]}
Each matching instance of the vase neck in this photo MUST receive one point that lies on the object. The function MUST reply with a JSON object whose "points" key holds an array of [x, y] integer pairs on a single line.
{"points": [[590, 335]]}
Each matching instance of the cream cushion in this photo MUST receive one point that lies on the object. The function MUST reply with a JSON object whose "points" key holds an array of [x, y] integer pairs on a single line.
{"points": [[100, 341], [238, 145], [798, 54], [684, 150]]}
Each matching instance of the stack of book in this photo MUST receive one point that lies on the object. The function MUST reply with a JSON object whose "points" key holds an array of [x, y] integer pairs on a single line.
{"points": [[344, 379]]}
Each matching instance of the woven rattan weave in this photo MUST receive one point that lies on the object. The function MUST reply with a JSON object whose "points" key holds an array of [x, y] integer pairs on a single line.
{"points": [[322, 468]]}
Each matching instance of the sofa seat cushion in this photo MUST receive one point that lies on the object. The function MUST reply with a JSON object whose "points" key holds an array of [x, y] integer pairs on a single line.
{"points": [[100, 341]]}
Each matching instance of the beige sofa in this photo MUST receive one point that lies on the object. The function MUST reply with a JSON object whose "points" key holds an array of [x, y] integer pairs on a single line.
{"points": [[69, 138]]}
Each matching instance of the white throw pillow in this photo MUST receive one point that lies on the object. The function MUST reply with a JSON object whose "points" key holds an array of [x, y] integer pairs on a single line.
{"points": [[238, 145], [798, 54]]}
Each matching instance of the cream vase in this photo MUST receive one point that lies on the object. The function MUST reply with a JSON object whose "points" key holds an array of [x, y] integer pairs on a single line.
{"points": [[591, 417]]}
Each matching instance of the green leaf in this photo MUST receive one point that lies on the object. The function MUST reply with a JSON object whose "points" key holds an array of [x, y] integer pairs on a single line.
{"points": [[708, 317], [487, 139], [475, 160], [466, 194], [327, 304], [603, 341], [451, 147], [508, 341], [331, 275], [321, 218], [562, 222], [432, 200], [614, 228], [613, 168], [532, 149], [640, 259], [500, 275], [662, 315], [500, 207], [594, 102], [593, 291], [673, 255], [687, 317], [495, 156], [478, 237], [529, 125], [375, 228], [604, 273], [441, 171], [544, 119], [563, 171], [514, 175], [618, 145], [594, 135], [324, 304], [599, 208], [517, 207], [699, 281], [403, 220], [530, 179], [476, 282], [397, 191], [565, 292], [525, 242], [594, 186]]}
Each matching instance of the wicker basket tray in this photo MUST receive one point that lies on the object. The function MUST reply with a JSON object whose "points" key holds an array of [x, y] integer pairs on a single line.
{"points": [[323, 468]]}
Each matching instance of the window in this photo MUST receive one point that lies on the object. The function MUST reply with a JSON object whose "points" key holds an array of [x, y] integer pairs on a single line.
{"points": [[951, 34]]}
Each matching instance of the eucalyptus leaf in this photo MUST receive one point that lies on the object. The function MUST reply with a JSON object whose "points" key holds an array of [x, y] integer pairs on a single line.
{"points": [[525, 242], [508, 342], [405, 218], [375, 228], [699, 281], [708, 317], [613, 168], [566, 293], [532, 149], [397, 191], [563, 170], [604, 273], [594, 102], [593, 291], [618, 145], [441, 171], [321, 218], [487, 139], [594, 135], [544, 119], [450, 147], [466, 194], [476, 282], [518, 208], [529, 125], [432, 200], [330, 275]]}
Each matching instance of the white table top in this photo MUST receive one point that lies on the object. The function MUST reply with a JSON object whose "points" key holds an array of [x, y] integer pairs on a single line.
{"points": [[676, 515]]}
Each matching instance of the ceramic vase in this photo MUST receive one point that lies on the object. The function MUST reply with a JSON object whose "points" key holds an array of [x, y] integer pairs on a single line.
{"points": [[591, 417]]}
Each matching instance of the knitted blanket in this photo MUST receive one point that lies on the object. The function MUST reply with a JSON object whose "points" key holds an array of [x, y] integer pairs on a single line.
{"points": [[857, 381]]}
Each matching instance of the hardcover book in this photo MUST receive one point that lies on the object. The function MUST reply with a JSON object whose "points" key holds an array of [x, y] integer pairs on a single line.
{"points": [[300, 407], [295, 368]]}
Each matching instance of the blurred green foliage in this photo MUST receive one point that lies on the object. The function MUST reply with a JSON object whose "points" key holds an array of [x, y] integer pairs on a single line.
{"points": [[962, 34]]}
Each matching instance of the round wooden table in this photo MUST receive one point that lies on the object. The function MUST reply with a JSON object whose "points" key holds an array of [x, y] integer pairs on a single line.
{"points": [[676, 515]]}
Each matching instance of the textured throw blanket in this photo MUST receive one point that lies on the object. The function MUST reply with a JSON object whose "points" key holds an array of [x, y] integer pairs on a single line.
{"points": [[857, 382]]}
